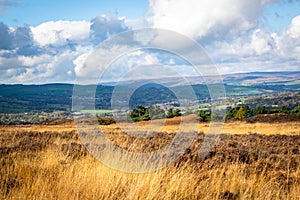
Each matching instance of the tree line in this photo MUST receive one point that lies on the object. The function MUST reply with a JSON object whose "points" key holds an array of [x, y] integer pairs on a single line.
{"points": [[243, 112], [141, 113]]}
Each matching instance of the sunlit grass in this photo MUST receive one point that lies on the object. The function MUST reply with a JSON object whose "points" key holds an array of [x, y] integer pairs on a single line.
{"points": [[54, 170]]}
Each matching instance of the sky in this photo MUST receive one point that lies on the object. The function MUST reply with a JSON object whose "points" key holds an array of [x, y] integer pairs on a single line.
{"points": [[49, 41]]}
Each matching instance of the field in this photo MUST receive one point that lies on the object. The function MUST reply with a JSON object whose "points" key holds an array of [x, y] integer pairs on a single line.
{"points": [[97, 111], [249, 161]]}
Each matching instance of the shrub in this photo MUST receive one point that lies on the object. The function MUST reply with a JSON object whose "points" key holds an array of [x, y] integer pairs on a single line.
{"points": [[106, 121]]}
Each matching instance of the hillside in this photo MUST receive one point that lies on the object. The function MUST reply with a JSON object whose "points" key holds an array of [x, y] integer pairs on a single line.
{"points": [[51, 97]]}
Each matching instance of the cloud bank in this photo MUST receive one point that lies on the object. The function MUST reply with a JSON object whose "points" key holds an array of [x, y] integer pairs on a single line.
{"points": [[199, 19], [230, 31], [49, 51]]}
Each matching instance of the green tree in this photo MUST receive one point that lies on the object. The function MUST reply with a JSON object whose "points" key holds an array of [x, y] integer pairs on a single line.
{"points": [[204, 115], [177, 112], [248, 111], [155, 112], [296, 110], [240, 114], [260, 110], [170, 113], [231, 112], [285, 110], [139, 114]]}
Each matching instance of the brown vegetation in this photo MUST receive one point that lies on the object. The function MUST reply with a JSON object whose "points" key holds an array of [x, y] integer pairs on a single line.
{"points": [[49, 162], [274, 118]]}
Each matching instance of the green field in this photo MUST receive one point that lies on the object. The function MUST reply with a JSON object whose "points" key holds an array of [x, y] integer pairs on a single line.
{"points": [[99, 112]]}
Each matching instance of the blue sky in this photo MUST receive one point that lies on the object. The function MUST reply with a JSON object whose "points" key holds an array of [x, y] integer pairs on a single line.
{"points": [[278, 16], [49, 40], [34, 12]]}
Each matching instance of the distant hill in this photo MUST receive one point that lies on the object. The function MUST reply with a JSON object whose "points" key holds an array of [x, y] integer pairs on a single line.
{"points": [[49, 97]]}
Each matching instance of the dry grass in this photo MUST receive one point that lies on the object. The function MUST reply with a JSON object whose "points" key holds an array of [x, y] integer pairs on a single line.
{"points": [[172, 125], [234, 127], [45, 177], [48, 162]]}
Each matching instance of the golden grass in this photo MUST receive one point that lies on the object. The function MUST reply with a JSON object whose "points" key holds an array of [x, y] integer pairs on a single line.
{"points": [[43, 176], [50, 172], [172, 125], [236, 127]]}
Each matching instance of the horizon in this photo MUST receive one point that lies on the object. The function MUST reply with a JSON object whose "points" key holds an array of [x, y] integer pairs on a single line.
{"points": [[113, 83]]}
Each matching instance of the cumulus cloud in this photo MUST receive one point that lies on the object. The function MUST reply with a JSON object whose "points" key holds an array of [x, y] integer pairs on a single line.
{"points": [[39, 69], [294, 29], [18, 39], [51, 51], [262, 42], [289, 41], [259, 51], [230, 31], [60, 32], [105, 26], [90, 66], [122, 68], [198, 19], [5, 38]]}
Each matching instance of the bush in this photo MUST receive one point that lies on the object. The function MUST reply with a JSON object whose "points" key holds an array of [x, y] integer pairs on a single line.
{"points": [[173, 113], [204, 116], [106, 121]]}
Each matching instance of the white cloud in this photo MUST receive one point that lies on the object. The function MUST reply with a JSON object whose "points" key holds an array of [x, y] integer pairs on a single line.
{"points": [[39, 69], [79, 63], [259, 51], [261, 42], [59, 32], [294, 29], [56, 51], [105, 26], [137, 23], [200, 18], [96, 66], [51, 51], [31, 61], [10, 62]]}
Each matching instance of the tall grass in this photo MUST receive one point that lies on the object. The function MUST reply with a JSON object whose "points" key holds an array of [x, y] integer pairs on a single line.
{"points": [[53, 173], [48, 175]]}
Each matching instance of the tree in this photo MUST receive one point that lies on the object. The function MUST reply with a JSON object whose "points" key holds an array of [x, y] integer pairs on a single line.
{"points": [[285, 110], [134, 115], [170, 113], [139, 114], [296, 110], [177, 112], [231, 113], [240, 114], [204, 116], [260, 110], [155, 112], [248, 111]]}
